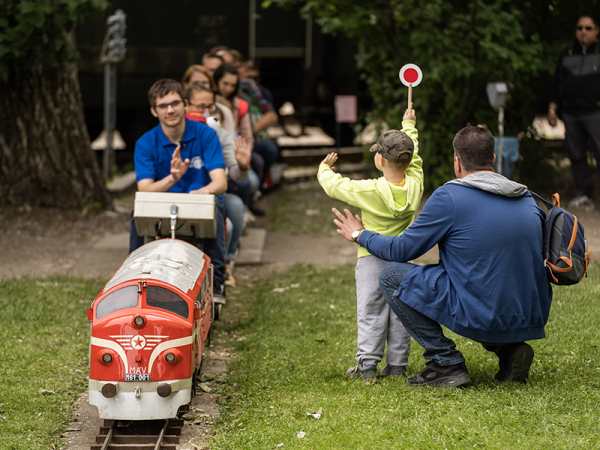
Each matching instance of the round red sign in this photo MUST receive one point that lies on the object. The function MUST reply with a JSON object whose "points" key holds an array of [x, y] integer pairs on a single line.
{"points": [[411, 74]]}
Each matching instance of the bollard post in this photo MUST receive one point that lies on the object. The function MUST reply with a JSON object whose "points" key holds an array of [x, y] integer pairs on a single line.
{"points": [[113, 51]]}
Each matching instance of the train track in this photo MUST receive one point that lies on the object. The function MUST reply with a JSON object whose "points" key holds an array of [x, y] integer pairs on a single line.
{"points": [[139, 435]]}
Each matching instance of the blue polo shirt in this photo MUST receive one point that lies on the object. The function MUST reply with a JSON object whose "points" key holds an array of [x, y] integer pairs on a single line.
{"points": [[199, 144]]}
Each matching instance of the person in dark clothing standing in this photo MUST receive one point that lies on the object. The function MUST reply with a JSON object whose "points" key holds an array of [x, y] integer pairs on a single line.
{"points": [[577, 85]]}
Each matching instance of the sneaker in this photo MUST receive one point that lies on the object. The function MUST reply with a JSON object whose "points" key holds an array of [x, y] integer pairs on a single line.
{"points": [[436, 375], [257, 211], [230, 280], [218, 298], [366, 372], [515, 361], [582, 202], [394, 371]]}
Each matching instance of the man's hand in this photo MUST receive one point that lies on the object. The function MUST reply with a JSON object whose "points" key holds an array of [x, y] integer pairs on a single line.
{"points": [[410, 113], [330, 160], [348, 224], [243, 154], [203, 190], [178, 167]]}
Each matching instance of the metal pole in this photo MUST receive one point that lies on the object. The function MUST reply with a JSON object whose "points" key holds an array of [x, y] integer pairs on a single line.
{"points": [[110, 100], [308, 44], [500, 134], [252, 31]]}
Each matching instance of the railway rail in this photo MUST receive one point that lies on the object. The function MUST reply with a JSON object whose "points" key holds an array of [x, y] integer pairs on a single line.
{"points": [[139, 435]]}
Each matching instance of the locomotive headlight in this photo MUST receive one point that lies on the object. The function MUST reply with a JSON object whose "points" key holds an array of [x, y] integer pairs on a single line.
{"points": [[173, 356], [106, 357], [139, 321]]}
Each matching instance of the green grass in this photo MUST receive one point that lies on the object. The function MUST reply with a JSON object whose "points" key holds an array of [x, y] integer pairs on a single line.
{"points": [[305, 209], [300, 342], [44, 336]]}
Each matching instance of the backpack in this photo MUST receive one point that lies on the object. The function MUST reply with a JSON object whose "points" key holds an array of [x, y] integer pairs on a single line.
{"points": [[566, 251]]}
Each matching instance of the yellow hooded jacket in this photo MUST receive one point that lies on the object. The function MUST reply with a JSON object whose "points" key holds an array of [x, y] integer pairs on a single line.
{"points": [[387, 209]]}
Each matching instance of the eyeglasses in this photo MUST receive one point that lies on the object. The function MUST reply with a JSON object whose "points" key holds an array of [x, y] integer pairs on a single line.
{"points": [[579, 28], [204, 83], [202, 107], [165, 106]]}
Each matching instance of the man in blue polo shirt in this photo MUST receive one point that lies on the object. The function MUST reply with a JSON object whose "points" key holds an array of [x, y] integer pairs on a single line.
{"points": [[180, 155]]}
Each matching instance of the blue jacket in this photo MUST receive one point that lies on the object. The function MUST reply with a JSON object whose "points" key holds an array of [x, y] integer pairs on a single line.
{"points": [[490, 284]]}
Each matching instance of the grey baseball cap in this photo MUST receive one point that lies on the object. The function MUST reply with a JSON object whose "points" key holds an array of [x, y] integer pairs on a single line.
{"points": [[395, 146]]}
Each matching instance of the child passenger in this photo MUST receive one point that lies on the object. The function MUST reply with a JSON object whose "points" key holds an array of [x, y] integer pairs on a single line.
{"points": [[388, 205]]}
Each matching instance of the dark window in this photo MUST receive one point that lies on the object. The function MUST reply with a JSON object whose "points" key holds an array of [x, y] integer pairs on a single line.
{"points": [[123, 298], [162, 298]]}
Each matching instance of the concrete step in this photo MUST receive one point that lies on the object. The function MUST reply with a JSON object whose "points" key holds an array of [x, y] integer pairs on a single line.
{"points": [[251, 246]]}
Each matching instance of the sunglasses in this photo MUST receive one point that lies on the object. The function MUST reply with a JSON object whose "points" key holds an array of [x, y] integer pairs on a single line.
{"points": [[579, 28]]}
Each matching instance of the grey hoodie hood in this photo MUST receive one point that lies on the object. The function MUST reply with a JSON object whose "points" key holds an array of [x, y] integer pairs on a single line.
{"points": [[494, 183]]}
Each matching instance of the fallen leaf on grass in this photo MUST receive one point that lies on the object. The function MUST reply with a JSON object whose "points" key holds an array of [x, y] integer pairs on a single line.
{"points": [[301, 434], [316, 415], [292, 367], [280, 289], [205, 387], [47, 391], [188, 417], [280, 445]]}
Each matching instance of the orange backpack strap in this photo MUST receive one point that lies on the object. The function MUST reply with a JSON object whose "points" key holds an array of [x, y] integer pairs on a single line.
{"points": [[573, 235], [556, 200]]}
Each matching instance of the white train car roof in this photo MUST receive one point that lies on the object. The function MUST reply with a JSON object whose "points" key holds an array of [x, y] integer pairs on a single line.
{"points": [[169, 260]]}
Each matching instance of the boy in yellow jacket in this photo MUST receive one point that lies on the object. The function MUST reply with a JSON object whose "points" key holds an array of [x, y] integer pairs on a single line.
{"points": [[388, 205]]}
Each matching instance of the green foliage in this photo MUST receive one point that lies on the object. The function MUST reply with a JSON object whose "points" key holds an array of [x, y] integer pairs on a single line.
{"points": [[36, 32], [460, 47], [44, 336], [300, 337]]}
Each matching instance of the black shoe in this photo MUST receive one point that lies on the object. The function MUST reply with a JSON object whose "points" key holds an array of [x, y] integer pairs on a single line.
{"points": [[257, 211], [393, 371], [436, 375], [515, 361]]}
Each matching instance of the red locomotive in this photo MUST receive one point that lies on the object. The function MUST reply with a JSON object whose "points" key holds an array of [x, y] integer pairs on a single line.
{"points": [[149, 327]]}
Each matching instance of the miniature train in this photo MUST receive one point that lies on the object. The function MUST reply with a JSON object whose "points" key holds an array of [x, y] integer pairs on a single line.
{"points": [[150, 324]]}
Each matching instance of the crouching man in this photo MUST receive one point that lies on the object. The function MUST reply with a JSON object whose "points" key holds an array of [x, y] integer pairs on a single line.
{"points": [[490, 284]]}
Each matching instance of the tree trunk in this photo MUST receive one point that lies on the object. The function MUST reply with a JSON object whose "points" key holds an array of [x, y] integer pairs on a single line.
{"points": [[45, 155]]}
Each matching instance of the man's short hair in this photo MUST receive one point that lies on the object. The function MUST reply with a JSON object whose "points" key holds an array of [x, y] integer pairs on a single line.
{"points": [[164, 87], [193, 88], [210, 55], [474, 146], [589, 16]]}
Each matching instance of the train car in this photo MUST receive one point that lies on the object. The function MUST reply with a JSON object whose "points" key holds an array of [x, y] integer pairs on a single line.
{"points": [[150, 324]]}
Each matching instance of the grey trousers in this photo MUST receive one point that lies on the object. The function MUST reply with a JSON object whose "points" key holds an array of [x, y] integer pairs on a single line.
{"points": [[377, 323], [581, 130]]}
